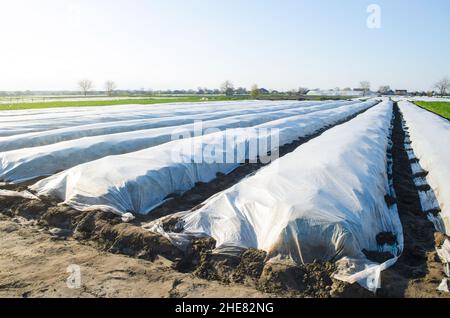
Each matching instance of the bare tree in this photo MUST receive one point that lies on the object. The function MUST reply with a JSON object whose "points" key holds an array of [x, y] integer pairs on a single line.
{"points": [[302, 91], [365, 85], [85, 85], [110, 87], [443, 86], [227, 88], [254, 91], [384, 89]]}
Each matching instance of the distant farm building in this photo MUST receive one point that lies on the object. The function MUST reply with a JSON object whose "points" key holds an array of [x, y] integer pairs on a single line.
{"points": [[401, 92]]}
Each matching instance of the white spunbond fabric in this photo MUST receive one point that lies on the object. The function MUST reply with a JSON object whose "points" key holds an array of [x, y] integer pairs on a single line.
{"points": [[36, 139], [25, 164], [26, 113], [138, 182], [30, 123], [124, 109], [430, 140], [325, 201]]}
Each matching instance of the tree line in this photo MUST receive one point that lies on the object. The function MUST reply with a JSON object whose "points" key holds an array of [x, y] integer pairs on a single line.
{"points": [[227, 88]]}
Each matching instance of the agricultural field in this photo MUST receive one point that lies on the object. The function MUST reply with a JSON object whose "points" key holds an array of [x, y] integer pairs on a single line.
{"points": [[23, 103], [440, 108], [225, 198], [39, 103]]}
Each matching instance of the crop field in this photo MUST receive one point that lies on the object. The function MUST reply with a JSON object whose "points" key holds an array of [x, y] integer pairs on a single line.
{"points": [[61, 102], [297, 198], [52, 103], [440, 108]]}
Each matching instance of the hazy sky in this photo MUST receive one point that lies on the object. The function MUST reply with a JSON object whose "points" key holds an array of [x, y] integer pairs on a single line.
{"points": [[280, 44]]}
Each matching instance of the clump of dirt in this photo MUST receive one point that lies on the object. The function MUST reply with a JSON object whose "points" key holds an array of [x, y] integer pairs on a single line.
{"points": [[386, 238], [378, 257], [390, 200], [423, 188], [435, 212], [241, 267], [217, 267], [309, 280], [383, 239], [62, 217], [342, 289], [250, 267], [112, 235], [16, 206], [194, 254], [171, 225]]}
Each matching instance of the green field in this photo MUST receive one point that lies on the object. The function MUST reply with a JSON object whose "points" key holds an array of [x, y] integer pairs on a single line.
{"points": [[147, 101], [440, 108]]}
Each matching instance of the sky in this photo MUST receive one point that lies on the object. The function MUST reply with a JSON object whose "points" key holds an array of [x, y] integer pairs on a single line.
{"points": [[171, 44]]}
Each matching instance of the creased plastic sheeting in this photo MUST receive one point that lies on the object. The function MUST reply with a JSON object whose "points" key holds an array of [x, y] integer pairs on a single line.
{"points": [[325, 201], [70, 133], [430, 137], [34, 123], [116, 113], [28, 114], [42, 138], [170, 109], [29, 163], [138, 182]]}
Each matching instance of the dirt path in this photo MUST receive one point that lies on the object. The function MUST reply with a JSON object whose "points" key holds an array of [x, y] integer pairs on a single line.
{"points": [[418, 272], [33, 263]]}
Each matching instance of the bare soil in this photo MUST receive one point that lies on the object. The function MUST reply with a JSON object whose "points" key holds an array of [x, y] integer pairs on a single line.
{"points": [[34, 262]]}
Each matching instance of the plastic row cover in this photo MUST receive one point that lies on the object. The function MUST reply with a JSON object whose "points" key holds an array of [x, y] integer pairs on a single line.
{"points": [[68, 111], [26, 164], [430, 137], [52, 136], [138, 182], [158, 110], [33, 123], [325, 201]]}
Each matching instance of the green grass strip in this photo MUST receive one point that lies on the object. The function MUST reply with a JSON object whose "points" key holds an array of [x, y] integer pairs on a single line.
{"points": [[440, 108]]}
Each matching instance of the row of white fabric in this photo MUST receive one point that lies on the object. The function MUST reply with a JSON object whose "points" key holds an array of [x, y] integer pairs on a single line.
{"points": [[139, 181], [24, 164], [325, 201], [37, 122]]}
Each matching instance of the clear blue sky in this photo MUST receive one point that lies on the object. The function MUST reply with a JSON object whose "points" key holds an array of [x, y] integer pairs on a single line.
{"points": [[280, 44]]}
